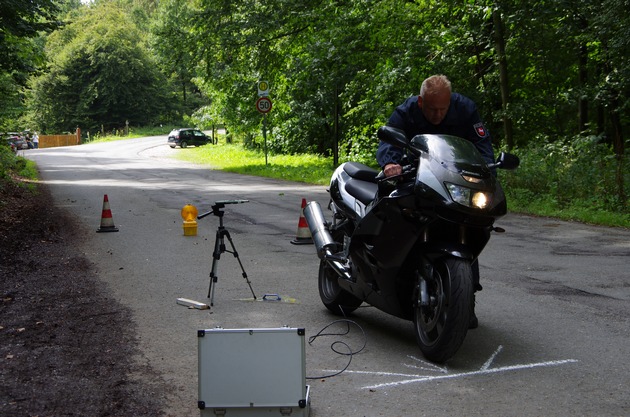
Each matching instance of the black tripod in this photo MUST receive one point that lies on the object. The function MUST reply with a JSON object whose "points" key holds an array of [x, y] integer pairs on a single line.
{"points": [[219, 246]]}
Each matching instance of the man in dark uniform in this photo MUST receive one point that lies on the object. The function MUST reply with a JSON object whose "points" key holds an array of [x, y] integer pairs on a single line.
{"points": [[437, 110]]}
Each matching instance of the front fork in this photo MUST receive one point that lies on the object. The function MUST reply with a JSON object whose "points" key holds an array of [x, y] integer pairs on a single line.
{"points": [[426, 271], [423, 276], [423, 293]]}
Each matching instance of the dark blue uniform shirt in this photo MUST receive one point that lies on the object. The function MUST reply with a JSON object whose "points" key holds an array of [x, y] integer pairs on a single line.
{"points": [[462, 119]]}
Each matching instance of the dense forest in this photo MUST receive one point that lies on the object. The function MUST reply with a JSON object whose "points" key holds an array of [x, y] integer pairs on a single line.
{"points": [[551, 77]]}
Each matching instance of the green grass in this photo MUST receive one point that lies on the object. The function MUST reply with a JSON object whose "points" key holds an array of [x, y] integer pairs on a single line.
{"points": [[305, 168], [16, 171], [578, 211], [28, 169], [12, 164]]}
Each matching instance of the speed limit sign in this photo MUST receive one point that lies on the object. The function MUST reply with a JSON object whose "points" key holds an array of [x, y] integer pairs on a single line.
{"points": [[263, 104]]}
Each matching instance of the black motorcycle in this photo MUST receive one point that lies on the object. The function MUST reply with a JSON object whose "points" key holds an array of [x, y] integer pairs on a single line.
{"points": [[406, 244]]}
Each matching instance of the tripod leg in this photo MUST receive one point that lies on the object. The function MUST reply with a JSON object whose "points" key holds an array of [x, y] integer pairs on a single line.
{"points": [[219, 247], [240, 263]]}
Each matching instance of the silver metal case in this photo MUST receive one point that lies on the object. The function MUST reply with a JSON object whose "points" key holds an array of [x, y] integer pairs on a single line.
{"points": [[252, 372]]}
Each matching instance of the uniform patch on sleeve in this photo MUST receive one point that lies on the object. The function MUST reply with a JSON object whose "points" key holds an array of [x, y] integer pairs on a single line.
{"points": [[481, 130]]}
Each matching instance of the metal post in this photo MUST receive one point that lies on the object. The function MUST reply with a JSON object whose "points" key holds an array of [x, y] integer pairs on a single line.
{"points": [[265, 134]]}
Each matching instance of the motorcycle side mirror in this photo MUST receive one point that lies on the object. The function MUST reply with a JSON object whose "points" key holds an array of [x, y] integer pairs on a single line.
{"points": [[507, 161], [396, 137], [393, 136]]}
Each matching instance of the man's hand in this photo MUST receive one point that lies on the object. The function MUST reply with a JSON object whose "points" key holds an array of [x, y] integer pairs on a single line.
{"points": [[392, 169]]}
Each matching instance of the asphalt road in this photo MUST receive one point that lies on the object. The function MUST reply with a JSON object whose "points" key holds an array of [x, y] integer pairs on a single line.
{"points": [[554, 314]]}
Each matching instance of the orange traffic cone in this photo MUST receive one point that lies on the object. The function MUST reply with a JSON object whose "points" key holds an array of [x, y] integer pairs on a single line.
{"points": [[107, 222], [303, 236]]}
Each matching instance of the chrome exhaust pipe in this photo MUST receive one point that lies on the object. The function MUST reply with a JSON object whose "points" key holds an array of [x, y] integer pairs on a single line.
{"points": [[322, 239], [324, 242]]}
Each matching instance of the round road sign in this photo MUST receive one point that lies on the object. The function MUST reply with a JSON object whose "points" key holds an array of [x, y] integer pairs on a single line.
{"points": [[263, 104], [263, 89]]}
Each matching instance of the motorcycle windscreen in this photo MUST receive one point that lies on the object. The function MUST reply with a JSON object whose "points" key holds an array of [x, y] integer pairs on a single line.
{"points": [[454, 153]]}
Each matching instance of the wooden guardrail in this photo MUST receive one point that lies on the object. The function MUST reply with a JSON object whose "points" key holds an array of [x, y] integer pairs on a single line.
{"points": [[52, 141]]}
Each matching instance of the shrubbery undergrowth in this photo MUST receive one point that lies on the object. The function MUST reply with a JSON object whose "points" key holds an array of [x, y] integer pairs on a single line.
{"points": [[581, 180]]}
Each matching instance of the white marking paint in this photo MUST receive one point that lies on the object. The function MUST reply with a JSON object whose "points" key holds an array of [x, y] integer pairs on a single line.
{"points": [[427, 366], [489, 361], [473, 373]]}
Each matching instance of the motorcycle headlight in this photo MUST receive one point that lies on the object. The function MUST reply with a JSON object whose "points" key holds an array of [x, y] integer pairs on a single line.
{"points": [[467, 196]]}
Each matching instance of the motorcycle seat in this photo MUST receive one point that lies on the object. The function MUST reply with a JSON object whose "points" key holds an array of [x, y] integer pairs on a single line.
{"points": [[360, 171], [363, 191]]}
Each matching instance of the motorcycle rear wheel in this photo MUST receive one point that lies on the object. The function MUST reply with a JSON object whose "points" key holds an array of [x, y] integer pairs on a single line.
{"points": [[441, 327], [339, 301]]}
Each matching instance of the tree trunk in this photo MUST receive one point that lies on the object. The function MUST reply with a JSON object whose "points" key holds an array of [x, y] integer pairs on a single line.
{"points": [[583, 80], [503, 75], [619, 147]]}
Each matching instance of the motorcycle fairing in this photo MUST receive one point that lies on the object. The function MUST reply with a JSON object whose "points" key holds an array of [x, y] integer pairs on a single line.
{"points": [[450, 158], [379, 256]]}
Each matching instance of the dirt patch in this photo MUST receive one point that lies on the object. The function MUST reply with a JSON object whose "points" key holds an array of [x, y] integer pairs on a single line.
{"points": [[67, 347]]}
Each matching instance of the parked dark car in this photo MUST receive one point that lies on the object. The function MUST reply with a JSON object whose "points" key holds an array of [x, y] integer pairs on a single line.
{"points": [[19, 142], [186, 137]]}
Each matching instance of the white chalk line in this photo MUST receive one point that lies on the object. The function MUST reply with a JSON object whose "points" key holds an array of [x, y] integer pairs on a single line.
{"points": [[431, 366], [373, 373], [484, 370], [422, 368], [491, 358], [419, 378]]}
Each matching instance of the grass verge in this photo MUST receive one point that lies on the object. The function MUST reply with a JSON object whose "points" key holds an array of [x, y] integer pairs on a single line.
{"points": [[311, 169]]}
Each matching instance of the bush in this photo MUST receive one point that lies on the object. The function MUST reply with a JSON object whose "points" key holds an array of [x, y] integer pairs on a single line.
{"points": [[580, 174], [12, 165]]}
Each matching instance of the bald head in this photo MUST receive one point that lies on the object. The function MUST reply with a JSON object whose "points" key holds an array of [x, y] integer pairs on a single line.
{"points": [[435, 98]]}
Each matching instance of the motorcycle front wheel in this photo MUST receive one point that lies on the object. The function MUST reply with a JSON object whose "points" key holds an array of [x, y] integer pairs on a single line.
{"points": [[441, 326], [335, 298]]}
